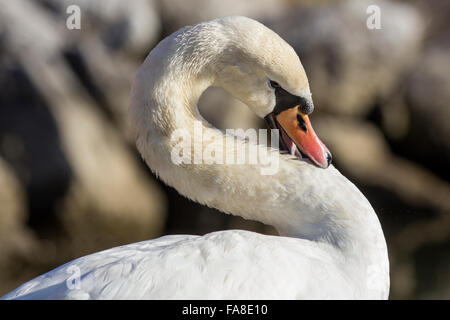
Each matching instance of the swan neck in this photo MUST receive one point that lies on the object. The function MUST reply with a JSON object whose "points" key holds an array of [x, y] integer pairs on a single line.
{"points": [[299, 200]]}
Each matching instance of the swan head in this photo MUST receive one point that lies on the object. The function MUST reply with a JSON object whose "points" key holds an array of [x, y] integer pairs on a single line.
{"points": [[263, 71]]}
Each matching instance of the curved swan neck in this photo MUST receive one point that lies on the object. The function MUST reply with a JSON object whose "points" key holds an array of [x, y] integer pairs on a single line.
{"points": [[300, 200]]}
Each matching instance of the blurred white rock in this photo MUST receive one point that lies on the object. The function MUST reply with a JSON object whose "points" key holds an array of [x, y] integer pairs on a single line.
{"points": [[110, 199], [349, 65], [179, 13]]}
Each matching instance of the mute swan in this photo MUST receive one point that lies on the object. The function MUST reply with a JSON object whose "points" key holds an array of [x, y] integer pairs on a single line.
{"points": [[331, 245]]}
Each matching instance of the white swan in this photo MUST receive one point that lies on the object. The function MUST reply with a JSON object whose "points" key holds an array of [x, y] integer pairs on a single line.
{"points": [[331, 244]]}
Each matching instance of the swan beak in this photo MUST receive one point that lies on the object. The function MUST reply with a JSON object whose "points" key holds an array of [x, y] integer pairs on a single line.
{"points": [[297, 127]]}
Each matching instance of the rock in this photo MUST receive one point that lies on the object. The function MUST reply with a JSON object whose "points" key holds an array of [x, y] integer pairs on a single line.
{"points": [[357, 147], [350, 66], [120, 26], [361, 151], [86, 188], [416, 119], [437, 18], [16, 241], [12, 198], [226, 112], [106, 51], [179, 13], [427, 96]]}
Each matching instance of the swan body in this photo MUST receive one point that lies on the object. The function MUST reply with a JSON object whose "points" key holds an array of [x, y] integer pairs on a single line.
{"points": [[331, 245], [224, 263]]}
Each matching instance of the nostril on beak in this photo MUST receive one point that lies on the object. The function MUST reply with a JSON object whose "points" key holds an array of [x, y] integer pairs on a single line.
{"points": [[329, 158]]}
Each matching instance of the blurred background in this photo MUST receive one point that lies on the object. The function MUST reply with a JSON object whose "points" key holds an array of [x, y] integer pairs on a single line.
{"points": [[72, 183]]}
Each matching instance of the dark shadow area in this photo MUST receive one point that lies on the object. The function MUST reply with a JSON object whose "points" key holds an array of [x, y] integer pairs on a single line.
{"points": [[30, 143], [433, 272], [78, 66]]}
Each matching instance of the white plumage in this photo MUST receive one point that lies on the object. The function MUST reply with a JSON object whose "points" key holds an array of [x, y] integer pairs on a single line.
{"points": [[331, 244], [220, 265]]}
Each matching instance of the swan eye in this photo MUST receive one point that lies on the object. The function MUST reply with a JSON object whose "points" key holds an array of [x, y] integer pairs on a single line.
{"points": [[274, 84]]}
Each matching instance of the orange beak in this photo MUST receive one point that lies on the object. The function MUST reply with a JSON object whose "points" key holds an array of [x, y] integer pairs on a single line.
{"points": [[299, 135]]}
